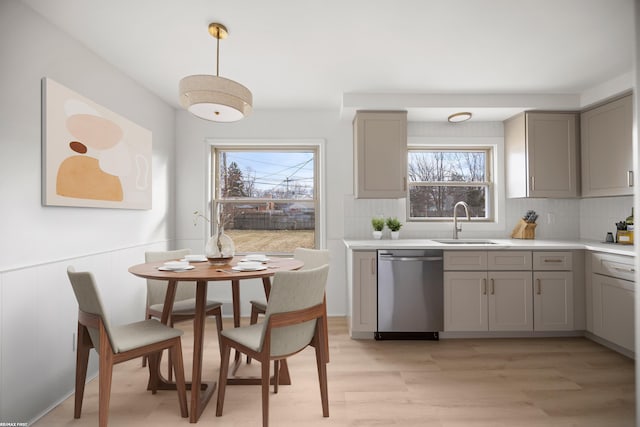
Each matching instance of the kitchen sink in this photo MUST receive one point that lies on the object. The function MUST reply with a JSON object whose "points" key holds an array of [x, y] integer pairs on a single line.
{"points": [[465, 241]]}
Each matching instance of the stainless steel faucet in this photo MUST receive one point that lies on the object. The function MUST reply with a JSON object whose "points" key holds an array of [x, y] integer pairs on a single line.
{"points": [[457, 229]]}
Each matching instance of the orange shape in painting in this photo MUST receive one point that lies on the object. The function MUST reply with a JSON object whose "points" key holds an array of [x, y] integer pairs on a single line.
{"points": [[80, 177], [96, 132]]}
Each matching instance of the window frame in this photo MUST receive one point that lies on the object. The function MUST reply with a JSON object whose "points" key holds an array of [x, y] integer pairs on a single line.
{"points": [[487, 183], [495, 163], [276, 144]]}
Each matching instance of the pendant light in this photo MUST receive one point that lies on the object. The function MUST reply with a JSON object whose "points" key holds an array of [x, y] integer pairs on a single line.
{"points": [[213, 97]]}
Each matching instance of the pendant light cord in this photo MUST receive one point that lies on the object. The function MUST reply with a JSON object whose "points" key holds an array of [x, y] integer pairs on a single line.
{"points": [[218, 53]]}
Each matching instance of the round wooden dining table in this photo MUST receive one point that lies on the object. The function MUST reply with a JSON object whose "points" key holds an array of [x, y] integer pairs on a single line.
{"points": [[202, 273]]}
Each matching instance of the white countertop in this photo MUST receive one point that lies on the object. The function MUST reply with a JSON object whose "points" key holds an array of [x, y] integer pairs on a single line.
{"points": [[534, 244]]}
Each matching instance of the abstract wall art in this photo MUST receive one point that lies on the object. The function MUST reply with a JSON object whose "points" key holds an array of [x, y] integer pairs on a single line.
{"points": [[92, 157]]}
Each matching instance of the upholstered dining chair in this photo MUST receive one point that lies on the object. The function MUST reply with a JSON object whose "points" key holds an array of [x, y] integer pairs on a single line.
{"points": [[116, 344], [293, 321], [312, 258], [184, 306]]}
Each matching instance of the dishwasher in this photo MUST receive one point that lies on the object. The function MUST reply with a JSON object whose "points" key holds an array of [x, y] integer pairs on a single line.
{"points": [[410, 294]]}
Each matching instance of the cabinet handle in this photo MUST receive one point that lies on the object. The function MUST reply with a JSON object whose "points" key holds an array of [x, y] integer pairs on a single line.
{"points": [[539, 286], [533, 183], [552, 260], [626, 270], [484, 286], [373, 266], [630, 178], [493, 287]]}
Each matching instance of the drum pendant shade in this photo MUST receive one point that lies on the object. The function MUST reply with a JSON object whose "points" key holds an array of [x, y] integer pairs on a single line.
{"points": [[215, 98]]}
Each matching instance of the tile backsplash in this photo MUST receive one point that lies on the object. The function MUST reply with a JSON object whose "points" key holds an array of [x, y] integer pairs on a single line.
{"points": [[589, 219], [599, 215]]}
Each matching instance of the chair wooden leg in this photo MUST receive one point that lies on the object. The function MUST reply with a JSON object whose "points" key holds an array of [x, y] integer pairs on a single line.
{"points": [[104, 388], [169, 358], [321, 361], [153, 362], [254, 315], [276, 375], [265, 392], [144, 358], [169, 365], [178, 367], [252, 321], [222, 381], [82, 360]]}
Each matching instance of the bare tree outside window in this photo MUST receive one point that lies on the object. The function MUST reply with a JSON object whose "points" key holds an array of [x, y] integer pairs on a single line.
{"points": [[438, 179]]}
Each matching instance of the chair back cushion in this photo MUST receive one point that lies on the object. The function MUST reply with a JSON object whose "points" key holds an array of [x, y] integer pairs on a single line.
{"points": [[291, 291], [312, 258], [88, 296], [157, 289]]}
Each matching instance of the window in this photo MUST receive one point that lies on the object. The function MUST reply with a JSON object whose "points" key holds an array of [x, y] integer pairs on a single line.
{"points": [[439, 178], [269, 196]]}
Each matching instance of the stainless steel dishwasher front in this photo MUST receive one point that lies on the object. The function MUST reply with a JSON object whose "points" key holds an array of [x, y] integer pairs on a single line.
{"points": [[410, 294]]}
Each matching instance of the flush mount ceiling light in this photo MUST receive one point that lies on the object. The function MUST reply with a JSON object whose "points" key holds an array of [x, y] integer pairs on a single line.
{"points": [[459, 117], [213, 97]]}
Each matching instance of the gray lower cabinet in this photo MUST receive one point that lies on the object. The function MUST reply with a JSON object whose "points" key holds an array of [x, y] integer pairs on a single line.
{"points": [[508, 291], [476, 299], [612, 296], [553, 300], [362, 271]]}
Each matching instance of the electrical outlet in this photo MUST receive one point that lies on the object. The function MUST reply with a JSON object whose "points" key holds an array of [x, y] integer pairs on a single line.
{"points": [[551, 218]]}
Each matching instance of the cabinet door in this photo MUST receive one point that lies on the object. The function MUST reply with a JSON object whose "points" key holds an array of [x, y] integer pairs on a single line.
{"points": [[553, 300], [465, 301], [552, 154], [364, 315], [613, 310], [606, 143], [380, 154], [541, 155], [510, 301]]}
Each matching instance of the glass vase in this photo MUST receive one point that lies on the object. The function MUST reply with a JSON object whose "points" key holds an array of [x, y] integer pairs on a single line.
{"points": [[220, 249]]}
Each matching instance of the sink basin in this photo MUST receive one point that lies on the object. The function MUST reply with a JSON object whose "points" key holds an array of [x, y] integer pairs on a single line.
{"points": [[465, 241]]}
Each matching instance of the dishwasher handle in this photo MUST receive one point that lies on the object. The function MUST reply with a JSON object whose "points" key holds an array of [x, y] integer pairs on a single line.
{"points": [[385, 257]]}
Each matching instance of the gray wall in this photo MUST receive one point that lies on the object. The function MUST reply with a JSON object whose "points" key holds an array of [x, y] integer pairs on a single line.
{"points": [[37, 308]]}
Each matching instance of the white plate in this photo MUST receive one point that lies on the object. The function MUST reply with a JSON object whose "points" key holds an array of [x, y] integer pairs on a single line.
{"points": [[244, 268], [195, 259], [255, 257], [255, 260], [165, 268]]}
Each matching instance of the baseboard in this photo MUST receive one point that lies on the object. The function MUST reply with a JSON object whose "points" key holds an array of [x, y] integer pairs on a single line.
{"points": [[613, 346]]}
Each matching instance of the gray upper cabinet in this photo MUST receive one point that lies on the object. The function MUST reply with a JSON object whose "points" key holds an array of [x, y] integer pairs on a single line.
{"points": [[541, 155], [606, 142], [380, 154]]}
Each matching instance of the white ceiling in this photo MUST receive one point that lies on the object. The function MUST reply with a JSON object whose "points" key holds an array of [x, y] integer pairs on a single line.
{"points": [[433, 57]]}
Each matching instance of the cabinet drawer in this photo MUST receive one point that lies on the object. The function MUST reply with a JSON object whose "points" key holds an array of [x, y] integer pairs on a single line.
{"points": [[552, 260], [509, 260], [465, 260], [619, 266]]}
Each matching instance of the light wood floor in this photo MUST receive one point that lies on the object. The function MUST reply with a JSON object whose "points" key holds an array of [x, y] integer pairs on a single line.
{"points": [[497, 382]]}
